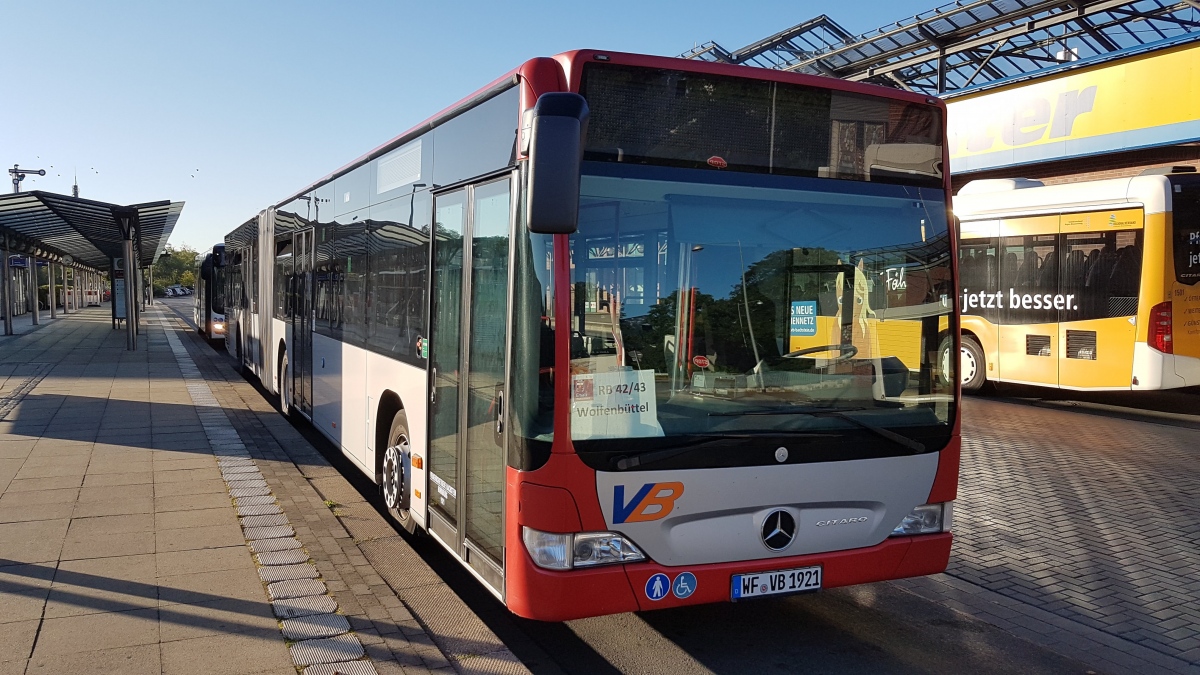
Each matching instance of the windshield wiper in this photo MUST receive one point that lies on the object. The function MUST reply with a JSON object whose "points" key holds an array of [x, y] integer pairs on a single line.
{"points": [[625, 462], [915, 446]]}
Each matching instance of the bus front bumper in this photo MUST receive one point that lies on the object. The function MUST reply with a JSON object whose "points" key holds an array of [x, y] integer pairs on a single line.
{"points": [[536, 593]]}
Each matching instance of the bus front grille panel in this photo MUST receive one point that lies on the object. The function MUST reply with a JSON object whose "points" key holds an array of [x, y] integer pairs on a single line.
{"points": [[1037, 345], [1122, 306], [1081, 344]]}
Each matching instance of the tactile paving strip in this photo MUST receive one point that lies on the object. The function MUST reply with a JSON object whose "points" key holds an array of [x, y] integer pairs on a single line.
{"points": [[275, 532], [298, 598], [282, 544], [290, 608], [290, 557], [344, 668], [327, 650], [272, 520], [295, 588], [315, 626], [285, 572]]}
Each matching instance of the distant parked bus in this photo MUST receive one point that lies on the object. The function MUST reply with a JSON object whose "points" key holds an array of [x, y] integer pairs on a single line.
{"points": [[209, 303], [1086, 285], [625, 332]]}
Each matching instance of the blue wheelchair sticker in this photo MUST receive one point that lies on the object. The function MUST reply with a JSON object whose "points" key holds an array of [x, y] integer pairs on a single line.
{"points": [[684, 585], [657, 586]]}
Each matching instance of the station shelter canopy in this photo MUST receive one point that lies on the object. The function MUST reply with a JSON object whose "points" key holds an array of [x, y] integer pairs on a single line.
{"points": [[55, 226], [970, 43]]}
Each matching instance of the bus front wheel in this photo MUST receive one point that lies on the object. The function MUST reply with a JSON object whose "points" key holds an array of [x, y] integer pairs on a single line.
{"points": [[972, 364], [393, 485]]}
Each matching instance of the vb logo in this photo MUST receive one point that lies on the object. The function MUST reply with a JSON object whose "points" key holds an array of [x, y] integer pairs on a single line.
{"points": [[653, 501]]}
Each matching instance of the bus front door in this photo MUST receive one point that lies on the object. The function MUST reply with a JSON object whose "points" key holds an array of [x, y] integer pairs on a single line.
{"points": [[302, 321], [468, 376]]}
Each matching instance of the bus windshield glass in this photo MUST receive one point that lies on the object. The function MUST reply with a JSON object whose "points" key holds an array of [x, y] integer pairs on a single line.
{"points": [[218, 289], [732, 304]]}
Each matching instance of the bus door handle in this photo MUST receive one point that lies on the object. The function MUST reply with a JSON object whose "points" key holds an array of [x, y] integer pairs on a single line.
{"points": [[499, 412], [432, 384]]}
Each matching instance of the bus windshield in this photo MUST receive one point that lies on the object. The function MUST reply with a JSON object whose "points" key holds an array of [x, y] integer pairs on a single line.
{"points": [[728, 304], [218, 289]]}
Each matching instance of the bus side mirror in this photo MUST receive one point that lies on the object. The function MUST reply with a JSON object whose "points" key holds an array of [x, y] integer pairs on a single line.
{"points": [[556, 134]]}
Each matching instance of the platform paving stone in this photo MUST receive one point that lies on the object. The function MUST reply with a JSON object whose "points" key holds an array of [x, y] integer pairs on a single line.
{"points": [[315, 626], [295, 588], [258, 510], [289, 464], [342, 668], [238, 493], [289, 557], [266, 545], [1096, 556], [290, 608], [117, 518], [272, 532], [327, 650], [264, 520], [275, 573]]}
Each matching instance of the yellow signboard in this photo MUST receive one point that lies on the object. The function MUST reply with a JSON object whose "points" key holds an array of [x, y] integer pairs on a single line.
{"points": [[1144, 100]]}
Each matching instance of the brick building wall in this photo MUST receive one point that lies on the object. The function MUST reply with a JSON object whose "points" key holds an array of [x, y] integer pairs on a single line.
{"points": [[1115, 165]]}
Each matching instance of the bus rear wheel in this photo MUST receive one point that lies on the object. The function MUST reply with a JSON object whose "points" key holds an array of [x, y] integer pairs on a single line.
{"points": [[972, 364], [392, 484], [285, 387]]}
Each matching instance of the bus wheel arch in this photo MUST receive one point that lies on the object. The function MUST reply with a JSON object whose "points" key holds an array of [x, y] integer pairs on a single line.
{"points": [[393, 457], [972, 362]]}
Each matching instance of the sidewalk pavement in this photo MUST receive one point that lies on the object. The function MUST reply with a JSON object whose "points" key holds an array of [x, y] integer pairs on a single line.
{"points": [[144, 528]]}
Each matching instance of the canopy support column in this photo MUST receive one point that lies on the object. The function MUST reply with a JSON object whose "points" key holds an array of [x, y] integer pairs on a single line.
{"points": [[52, 289], [127, 220], [6, 287], [34, 307]]}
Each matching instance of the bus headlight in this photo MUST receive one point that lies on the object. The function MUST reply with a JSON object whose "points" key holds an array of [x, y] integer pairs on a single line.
{"points": [[218, 327], [584, 549], [926, 519]]}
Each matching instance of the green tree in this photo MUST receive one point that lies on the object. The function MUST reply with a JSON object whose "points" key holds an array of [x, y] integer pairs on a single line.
{"points": [[175, 266]]}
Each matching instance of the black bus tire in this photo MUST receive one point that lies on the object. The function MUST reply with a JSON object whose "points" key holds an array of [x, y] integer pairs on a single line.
{"points": [[391, 475], [973, 364], [285, 387]]}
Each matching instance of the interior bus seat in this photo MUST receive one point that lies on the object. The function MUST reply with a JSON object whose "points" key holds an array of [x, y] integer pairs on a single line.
{"points": [[1048, 274], [1028, 274], [1124, 278], [1010, 269]]}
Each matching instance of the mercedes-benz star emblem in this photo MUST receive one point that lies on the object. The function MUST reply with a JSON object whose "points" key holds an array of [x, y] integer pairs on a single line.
{"points": [[778, 530]]}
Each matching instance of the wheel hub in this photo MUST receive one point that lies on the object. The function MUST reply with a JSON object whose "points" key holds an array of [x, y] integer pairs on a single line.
{"points": [[969, 366], [393, 478]]}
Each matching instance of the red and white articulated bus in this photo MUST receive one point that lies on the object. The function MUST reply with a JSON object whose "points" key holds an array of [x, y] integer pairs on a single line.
{"points": [[626, 332]]}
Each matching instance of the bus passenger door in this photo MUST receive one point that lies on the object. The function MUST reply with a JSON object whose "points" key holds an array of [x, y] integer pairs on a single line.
{"points": [[468, 377], [302, 322], [1029, 280]]}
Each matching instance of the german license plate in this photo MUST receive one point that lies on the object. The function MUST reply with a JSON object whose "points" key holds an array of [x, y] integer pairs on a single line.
{"points": [[774, 583]]}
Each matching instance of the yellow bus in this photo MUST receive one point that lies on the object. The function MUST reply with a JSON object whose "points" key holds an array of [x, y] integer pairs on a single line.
{"points": [[1086, 285]]}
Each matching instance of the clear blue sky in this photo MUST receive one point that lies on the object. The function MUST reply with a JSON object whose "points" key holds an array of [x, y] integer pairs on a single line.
{"points": [[233, 105]]}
